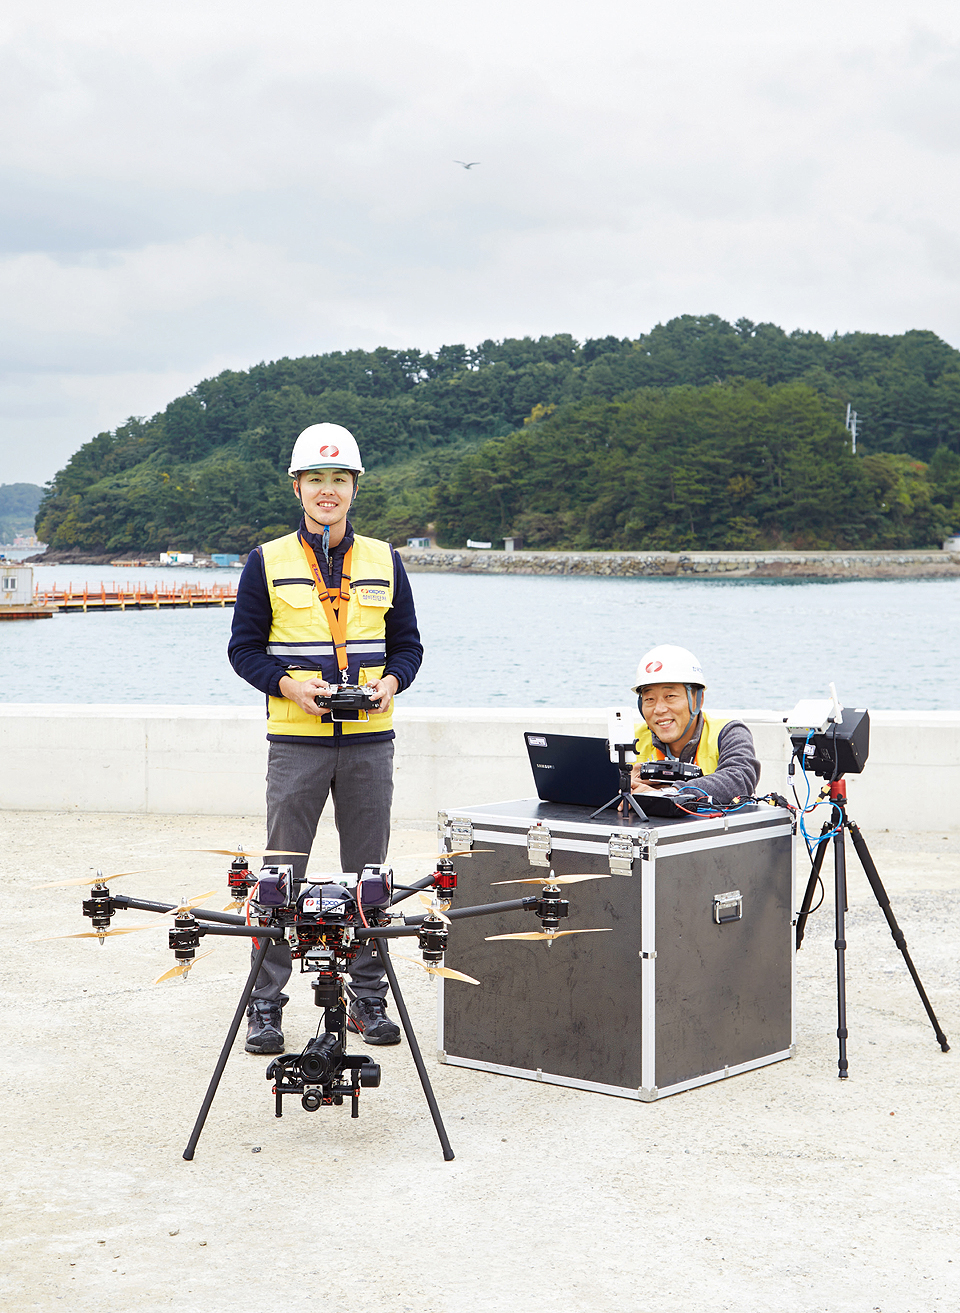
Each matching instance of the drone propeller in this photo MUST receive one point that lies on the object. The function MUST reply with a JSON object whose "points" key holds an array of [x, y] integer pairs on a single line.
{"points": [[182, 968], [446, 972], [433, 909], [436, 857], [131, 929], [99, 878], [186, 907], [94, 934], [548, 934], [249, 852], [556, 879]]}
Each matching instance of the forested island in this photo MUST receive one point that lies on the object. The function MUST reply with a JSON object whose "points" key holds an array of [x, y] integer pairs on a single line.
{"points": [[18, 509], [700, 435]]}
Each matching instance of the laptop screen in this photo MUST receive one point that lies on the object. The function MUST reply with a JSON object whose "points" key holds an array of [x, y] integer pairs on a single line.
{"points": [[577, 770]]}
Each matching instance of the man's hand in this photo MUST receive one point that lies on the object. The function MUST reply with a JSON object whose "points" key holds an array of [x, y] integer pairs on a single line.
{"points": [[303, 691], [384, 690], [639, 785]]}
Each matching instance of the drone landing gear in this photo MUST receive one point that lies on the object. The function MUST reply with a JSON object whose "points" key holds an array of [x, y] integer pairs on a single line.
{"points": [[218, 1071], [315, 1073], [428, 1094]]}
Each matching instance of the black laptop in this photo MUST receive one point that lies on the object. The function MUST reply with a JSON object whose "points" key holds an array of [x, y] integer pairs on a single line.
{"points": [[574, 769]]}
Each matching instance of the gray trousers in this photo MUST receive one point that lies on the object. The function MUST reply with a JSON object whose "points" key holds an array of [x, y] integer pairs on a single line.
{"points": [[300, 776]]}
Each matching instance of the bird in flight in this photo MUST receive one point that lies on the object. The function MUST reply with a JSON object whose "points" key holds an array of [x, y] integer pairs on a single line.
{"points": [[465, 165]]}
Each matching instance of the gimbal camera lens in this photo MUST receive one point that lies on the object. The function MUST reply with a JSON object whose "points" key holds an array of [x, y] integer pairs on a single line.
{"points": [[320, 1060], [312, 1100]]}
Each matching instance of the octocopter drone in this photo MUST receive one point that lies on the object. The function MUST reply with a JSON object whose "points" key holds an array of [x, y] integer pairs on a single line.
{"points": [[325, 921]]}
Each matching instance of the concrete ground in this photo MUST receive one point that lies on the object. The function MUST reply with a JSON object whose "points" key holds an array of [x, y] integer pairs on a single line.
{"points": [[783, 1189]]}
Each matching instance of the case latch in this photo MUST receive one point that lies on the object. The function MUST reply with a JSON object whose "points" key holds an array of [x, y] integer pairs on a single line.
{"points": [[461, 833], [621, 853], [539, 845], [728, 907]]}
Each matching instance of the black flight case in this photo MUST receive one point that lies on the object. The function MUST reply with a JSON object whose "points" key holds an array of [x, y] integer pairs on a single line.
{"points": [[693, 982]]}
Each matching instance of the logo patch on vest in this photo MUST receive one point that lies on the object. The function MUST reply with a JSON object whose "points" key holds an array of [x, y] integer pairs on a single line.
{"points": [[372, 594]]}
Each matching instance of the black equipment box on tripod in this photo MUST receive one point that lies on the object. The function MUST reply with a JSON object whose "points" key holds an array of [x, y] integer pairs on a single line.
{"points": [[693, 982]]}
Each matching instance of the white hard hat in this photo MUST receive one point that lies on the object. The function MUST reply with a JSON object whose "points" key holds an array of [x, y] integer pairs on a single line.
{"points": [[323, 447], [669, 665]]}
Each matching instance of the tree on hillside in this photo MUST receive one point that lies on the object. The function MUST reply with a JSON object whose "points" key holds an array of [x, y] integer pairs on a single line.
{"points": [[405, 405], [733, 466]]}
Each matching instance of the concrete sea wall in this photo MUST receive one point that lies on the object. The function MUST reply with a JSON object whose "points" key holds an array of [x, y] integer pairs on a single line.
{"points": [[692, 565], [212, 760]]}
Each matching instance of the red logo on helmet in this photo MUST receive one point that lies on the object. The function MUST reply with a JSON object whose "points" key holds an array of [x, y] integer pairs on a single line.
{"points": [[330, 451], [653, 666]]}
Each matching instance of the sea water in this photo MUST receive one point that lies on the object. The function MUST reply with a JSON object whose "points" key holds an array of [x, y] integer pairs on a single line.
{"points": [[525, 641]]}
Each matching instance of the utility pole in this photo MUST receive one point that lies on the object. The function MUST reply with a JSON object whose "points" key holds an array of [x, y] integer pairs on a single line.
{"points": [[851, 426]]}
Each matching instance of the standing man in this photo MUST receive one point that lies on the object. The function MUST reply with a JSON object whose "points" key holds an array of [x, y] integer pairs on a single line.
{"points": [[317, 608]]}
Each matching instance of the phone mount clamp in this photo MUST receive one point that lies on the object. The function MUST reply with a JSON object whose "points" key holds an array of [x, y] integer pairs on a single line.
{"points": [[624, 798]]}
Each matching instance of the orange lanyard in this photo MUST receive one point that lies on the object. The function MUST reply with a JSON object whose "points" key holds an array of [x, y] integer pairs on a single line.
{"points": [[335, 604]]}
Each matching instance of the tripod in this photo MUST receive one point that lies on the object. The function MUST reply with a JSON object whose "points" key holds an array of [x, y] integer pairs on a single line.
{"points": [[839, 821], [624, 798]]}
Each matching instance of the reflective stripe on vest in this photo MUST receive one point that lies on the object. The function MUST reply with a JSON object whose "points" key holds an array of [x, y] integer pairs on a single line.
{"points": [[708, 749], [300, 631]]}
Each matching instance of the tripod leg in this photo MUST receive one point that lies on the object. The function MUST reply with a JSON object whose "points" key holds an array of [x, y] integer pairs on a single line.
{"points": [[227, 1046], [429, 1095], [873, 875], [840, 896], [812, 883]]}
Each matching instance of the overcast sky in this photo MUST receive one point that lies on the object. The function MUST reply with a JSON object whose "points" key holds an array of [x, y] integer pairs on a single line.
{"points": [[189, 187]]}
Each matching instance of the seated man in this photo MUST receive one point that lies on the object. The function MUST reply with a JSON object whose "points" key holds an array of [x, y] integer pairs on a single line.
{"points": [[669, 692]]}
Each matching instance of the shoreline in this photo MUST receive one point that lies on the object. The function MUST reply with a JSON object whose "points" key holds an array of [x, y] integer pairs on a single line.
{"points": [[927, 563], [931, 563]]}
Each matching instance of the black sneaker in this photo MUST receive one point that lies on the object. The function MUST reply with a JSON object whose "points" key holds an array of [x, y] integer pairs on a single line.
{"points": [[263, 1028], [368, 1017]]}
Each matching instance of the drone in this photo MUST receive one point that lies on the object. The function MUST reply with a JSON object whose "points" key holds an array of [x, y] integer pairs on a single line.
{"points": [[325, 921]]}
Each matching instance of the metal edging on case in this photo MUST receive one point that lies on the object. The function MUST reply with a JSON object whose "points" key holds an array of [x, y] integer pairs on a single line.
{"points": [[648, 1094], [645, 1094], [441, 1055], [523, 1073], [557, 845], [648, 971], [706, 824], [514, 839], [723, 841]]}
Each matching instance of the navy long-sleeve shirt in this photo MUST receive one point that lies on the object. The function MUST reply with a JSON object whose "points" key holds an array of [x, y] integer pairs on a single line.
{"points": [[253, 616]]}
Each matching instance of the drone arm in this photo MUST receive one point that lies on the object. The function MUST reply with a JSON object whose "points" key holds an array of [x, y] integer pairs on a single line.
{"points": [[244, 931], [144, 905], [413, 923], [487, 909], [402, 891]]}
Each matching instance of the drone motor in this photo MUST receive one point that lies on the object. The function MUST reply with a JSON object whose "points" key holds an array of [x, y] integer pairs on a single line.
{"points": [[551, 908]]}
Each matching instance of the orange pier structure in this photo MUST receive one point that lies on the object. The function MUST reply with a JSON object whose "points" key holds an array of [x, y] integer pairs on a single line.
{"points": [[134, 597]]}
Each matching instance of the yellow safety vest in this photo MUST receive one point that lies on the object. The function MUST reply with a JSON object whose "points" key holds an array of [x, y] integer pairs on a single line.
{"points": [[708, 749], [300, 631]]}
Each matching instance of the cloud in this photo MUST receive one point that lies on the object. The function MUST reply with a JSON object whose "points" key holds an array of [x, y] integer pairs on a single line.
{"points": [[193, 187]]}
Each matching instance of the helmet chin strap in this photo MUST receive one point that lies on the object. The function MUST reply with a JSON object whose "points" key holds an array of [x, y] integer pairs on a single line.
{"points": [[325, 536], [694, 705]]}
